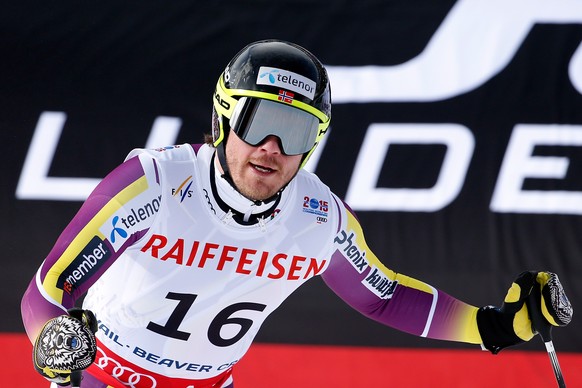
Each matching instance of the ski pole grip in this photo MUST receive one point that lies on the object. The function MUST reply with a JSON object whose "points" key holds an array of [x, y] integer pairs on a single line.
{"points": [[539, 322]]}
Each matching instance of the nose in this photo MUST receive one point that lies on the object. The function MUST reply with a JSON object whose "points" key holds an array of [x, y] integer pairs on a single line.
{"points": [[271, 144]]}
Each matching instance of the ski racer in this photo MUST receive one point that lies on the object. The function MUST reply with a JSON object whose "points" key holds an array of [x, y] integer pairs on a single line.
{"points": [[184, 251]]}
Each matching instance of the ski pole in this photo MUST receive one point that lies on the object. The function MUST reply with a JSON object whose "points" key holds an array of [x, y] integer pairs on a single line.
{"points": [[76, 379], [544, 329]]}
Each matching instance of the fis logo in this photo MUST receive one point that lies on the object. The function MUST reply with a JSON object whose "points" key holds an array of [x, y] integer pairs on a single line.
{"points": [[183, 191]]}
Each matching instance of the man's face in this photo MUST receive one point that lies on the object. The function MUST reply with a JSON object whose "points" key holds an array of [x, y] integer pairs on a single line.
{"points": [[259, 171]]}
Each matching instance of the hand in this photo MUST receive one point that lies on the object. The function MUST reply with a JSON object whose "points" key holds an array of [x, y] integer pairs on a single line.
{"points": [[66, 344], [511, 324]]}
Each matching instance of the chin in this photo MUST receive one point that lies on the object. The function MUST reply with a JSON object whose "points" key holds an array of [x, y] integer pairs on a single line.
{"points": [[261, 195]]}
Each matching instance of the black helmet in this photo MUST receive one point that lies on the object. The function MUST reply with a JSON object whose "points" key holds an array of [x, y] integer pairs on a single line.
{"points": [[272, 87]]}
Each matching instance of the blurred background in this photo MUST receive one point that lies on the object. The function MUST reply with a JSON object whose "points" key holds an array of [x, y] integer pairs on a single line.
{"points": [[456, 137]]}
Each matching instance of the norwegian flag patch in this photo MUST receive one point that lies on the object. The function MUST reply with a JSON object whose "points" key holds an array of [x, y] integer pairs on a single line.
{"points": [[286, 96]]}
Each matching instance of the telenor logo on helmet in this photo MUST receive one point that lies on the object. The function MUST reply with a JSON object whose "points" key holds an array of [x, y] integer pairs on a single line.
{"points": [[286, 79]]}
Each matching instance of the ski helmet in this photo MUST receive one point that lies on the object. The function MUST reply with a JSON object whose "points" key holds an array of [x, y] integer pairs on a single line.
{"points": [[273, 87]]}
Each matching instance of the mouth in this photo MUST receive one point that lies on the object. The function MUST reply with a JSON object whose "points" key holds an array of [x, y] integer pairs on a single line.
{"points": [[262, 169]]}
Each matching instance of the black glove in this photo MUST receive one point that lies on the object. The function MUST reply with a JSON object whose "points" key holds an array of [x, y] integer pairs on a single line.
{"points": [[511, 324], [66, 344]]}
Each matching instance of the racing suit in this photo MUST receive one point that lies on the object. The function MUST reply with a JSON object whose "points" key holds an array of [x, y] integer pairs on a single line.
{"points": [[181, 270]]}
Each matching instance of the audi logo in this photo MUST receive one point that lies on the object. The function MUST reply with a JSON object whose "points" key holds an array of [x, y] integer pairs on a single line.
{"points": [[123, 374]]}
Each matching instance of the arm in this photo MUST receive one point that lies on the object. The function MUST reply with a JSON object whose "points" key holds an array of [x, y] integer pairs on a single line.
{"points": [[361, 280], [407, 304], [89, 244]]}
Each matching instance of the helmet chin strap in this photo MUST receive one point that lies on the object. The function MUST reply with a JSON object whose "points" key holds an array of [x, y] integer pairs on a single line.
{"points": [[221, 153]]}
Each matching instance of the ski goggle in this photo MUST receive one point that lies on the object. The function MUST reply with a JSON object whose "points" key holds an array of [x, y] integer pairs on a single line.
{"points": [[253, 119]]}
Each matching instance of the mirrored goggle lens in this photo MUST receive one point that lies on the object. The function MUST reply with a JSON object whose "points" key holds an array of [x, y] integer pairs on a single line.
{"points": [[254, 119]]}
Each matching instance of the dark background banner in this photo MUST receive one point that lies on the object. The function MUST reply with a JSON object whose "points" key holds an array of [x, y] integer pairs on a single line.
{"points": [[456, 132]]}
